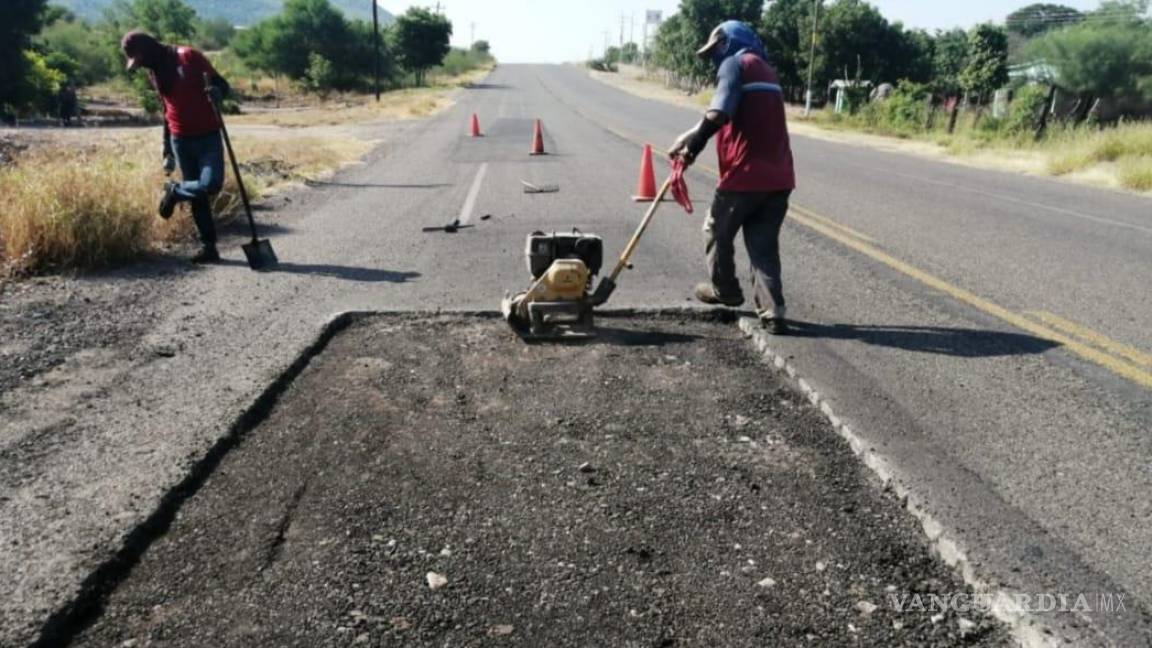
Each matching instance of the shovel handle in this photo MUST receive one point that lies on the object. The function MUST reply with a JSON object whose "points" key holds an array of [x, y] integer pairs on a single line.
{"points": [[626, 255], [232, 158]]}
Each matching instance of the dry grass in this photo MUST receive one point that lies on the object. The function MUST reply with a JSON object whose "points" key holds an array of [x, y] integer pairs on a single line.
{"points": [[1129, 146], [404, 104], [342, 109], [1135, 172], [65, 207], [1114, 156]]}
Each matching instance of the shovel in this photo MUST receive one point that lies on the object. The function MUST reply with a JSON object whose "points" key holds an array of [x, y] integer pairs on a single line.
{"points": [[258, 251]]}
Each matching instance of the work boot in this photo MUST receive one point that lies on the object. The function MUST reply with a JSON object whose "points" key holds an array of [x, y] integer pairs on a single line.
{"points": [[775, 325], [207, 254], [706, 293], [168, 200]]}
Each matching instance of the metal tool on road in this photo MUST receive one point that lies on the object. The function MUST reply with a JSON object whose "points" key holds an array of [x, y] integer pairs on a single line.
{"points": [[258, 251], [530, 188], [559, 303], [450, 228]]}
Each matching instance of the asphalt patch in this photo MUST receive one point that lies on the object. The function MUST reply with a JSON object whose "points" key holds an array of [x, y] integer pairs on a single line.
{"points": [[434, 481]]}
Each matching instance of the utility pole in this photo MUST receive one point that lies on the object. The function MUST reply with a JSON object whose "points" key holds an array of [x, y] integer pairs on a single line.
{"points": [[812, 58], [622, 17], [473, 25], [606, 36], [376, 45]]}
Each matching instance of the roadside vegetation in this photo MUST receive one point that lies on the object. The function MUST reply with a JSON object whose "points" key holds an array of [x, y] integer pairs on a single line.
{"points": [[1069, 90], [87, 198], [71, 206]]}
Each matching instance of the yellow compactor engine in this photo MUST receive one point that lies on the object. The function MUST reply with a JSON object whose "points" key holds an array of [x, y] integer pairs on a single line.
{"points": [[563, 266]]}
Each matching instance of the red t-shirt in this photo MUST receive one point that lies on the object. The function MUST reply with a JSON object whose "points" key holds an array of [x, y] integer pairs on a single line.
{"points": [[187, 108], [753, 147]]}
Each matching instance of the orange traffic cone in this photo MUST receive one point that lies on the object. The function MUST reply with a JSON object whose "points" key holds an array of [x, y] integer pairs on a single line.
{"points": [[646, 185], [538, 140], [476, 126]]}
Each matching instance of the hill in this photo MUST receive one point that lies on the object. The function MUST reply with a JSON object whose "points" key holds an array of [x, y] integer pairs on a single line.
{"points": [[238, 12]]}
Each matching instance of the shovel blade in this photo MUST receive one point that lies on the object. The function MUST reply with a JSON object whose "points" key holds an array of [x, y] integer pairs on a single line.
{"points": [[260, 255]]}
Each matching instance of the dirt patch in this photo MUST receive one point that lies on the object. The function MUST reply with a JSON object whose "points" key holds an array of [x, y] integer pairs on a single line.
{"points": [[435, 481]]}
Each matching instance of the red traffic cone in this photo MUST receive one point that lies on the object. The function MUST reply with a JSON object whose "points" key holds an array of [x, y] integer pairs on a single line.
{"points": [[476, 126], [538, 140], [646, 185]]}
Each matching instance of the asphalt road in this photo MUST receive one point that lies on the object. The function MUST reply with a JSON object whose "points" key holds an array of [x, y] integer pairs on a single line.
{"points": [[939, 301]]}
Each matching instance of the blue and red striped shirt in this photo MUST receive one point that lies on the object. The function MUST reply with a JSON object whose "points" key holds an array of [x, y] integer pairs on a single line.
{"points": [[753, 147]]}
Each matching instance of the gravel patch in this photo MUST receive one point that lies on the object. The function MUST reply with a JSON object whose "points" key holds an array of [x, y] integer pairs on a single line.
{"points": [[436, 481]]}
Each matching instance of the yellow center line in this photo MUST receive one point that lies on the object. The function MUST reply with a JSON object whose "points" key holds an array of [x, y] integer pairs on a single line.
{"points": [[1113, 364], [831, 223], [1099, 339], [866, 246]]}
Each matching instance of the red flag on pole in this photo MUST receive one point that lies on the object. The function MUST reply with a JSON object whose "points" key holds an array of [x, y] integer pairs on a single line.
{"points": [[679, 187]]}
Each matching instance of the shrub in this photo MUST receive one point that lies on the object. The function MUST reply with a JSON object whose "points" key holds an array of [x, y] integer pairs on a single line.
{"points": [[1136, 172], [1027, 105]]}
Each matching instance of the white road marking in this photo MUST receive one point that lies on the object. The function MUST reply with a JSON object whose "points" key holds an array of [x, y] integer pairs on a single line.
{"points": [[473, 192]]}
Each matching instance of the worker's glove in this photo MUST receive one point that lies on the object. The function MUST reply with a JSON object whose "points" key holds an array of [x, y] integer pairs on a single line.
{"points": [[215, 95], [169, 164], [680, 144]]}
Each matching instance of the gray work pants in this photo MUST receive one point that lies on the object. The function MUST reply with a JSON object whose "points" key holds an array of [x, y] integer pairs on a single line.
{"points": [[760, 214]]}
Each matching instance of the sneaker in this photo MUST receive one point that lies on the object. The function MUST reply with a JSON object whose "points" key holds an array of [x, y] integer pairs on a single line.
{"points": [[775, 325], [207, 254], [168, 200], [707, 294]]}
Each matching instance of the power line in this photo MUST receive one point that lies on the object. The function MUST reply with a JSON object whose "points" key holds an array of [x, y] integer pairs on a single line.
{"points": [[1095, 16]]}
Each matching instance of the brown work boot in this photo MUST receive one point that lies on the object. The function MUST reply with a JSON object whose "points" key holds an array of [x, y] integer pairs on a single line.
{"points": [[706, 293]]}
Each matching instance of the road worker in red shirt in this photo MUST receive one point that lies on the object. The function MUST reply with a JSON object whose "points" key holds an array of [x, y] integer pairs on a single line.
{"points": [[191, 128], [756, 171]]}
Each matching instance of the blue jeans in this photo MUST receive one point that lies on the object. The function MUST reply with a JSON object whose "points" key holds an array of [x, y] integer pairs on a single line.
{"points": [[201, 161]]}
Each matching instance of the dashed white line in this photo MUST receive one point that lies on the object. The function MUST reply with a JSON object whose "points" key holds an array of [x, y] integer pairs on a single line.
{"points": [[473, 192]]}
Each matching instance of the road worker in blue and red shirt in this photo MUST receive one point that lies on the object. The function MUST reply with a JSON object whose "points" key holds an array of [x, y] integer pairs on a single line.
{"points": [[191, 128], [756, 171]]}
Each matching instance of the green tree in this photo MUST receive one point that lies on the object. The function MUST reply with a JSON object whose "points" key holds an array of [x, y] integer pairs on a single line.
{"points": [[285, 44], [22, 19], [950, 56], [167, 20], [89, 50], [214, 34], [855, 36], [1100, 61], [700, 17], [1035, 19], [1122, 12], [674, 48], [321, 75], [482, 47], [987, 66], [420, 38], [787, 31], [630, 53]]}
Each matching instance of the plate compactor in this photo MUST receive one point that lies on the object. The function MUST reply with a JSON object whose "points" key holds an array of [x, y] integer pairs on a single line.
{"points": [[559, 302]]}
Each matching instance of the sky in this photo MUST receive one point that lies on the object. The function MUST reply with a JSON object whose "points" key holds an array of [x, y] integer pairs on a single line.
{"points": [[555, 31]]}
